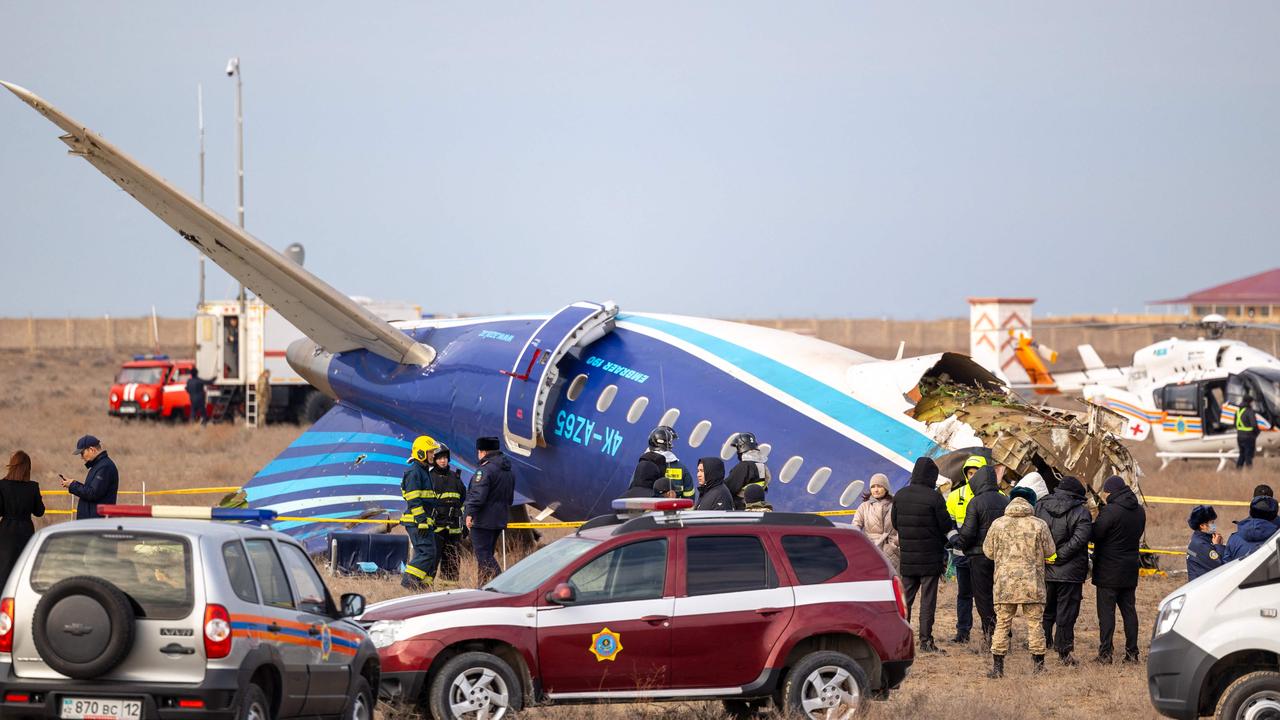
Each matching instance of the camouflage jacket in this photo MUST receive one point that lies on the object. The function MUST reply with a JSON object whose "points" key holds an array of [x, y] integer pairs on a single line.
{"points": [[1019, 543]]}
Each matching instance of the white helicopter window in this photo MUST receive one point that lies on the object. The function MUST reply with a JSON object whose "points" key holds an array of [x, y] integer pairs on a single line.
{"points": [[699, 433], [669, 418], [790, 469], [637, 409], [575, 388], [851, 493], [606, 398], [818, 480]]}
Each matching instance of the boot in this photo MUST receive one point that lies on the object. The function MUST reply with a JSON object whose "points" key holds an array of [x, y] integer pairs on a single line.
{"points": [[961, 638], [1103, 659], [929, 646], [997, 667], [1037, 665], [1131, 658], [1066, 659]]}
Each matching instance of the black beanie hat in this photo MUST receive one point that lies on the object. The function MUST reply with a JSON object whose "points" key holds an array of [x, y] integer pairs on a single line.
{"points": [[1072, 485], [1263, 508], [1200, 515]]}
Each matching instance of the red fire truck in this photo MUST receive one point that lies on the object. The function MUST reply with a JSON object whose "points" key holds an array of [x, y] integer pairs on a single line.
{"points": [[151, 386]]}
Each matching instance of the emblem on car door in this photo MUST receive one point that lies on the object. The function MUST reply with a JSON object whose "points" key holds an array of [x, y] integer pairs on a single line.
{"points": [[606, 645]]}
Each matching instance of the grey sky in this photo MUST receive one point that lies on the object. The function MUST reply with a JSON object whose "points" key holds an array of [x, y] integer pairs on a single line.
{"points": [[735, 159]]}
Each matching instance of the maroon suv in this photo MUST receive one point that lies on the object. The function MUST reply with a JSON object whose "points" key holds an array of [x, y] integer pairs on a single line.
{"points": [[748, 608]]}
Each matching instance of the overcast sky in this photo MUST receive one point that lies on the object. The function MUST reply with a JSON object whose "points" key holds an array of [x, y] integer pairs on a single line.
{"points": [[735, 159]]}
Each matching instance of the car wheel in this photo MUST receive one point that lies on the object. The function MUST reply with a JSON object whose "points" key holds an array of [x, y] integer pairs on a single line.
{"points": [[1254, 696], [828, 685], [83, 627], [360, 703], [254, 705], [473, 686]]}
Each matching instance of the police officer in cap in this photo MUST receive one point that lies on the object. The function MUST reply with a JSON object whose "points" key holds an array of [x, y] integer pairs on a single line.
{"points": [[488, 504], [1206, 551], [751, 469], [420, 502], [450, 492]]}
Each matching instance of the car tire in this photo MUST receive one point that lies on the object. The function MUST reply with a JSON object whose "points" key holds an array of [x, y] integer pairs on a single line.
{"points": [[360, 703], [493, 686], [1249, 694], [313, 407], [822, 681], [253, 704], [97, 627]]}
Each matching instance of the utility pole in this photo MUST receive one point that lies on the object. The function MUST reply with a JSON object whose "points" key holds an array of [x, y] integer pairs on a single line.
{"points": [[200, 125], [233, 69]]}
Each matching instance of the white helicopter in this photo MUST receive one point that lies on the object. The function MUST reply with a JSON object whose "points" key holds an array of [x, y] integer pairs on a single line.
{"points": [[1184, 393]]}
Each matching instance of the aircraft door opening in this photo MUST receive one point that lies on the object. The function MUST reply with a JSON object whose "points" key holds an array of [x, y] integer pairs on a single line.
{"points": [[534, 373]]}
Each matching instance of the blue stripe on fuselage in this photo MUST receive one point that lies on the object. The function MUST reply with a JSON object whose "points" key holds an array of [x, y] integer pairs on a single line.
{"points": [[862, 418]]}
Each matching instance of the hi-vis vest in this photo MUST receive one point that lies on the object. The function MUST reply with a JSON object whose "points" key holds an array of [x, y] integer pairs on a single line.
{"points": [[419, 498], [1241, 426]]}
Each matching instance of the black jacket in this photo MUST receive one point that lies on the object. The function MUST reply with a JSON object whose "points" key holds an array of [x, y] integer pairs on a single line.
{"points": [[713, 495], [99, 487], [920, 514], [651, 466], [450, 494], [1117, 533], [19, 501], [986, 507], [195, 390], [1070, 525], [492, 490], [742, 474]]}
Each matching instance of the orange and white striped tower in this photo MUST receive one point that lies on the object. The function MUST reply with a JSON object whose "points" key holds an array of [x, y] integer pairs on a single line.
{"points": [[991, 344]]}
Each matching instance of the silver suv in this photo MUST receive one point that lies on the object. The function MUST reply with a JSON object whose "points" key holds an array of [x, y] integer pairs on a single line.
{"points": [[131, 618]]}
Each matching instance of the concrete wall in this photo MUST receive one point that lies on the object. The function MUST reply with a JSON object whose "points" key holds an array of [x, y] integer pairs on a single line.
{"points": [[105, 333]]}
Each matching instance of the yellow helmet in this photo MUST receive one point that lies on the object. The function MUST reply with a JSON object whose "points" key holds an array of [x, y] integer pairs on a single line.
{"points": [[423, 448]]}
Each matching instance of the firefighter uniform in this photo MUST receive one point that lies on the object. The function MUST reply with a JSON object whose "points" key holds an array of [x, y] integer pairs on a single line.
{"points": [[1246, 435], [450, 494], [682, 481], [419, 495]]}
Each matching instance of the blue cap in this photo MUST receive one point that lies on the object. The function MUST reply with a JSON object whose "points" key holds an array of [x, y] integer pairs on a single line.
{"points": [[86, 442]]}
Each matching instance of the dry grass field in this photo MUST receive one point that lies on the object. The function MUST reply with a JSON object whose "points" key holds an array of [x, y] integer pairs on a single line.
{"points": [[50, 399]]}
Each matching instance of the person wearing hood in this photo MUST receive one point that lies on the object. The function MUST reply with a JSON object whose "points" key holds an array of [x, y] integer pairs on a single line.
{"points": [[663, 489], [919, 514], [1264, 489], [873, 518], [1019, 544], [1070, 526], [712, 493], [1117, 537], [1205, 552], [101, 482], [1035, 481], [488, 505], [985, 508], [1253, 531], [957, 500], [751, 468]]}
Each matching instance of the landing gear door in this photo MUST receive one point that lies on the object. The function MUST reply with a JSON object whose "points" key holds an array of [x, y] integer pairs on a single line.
{"points": [[534, 373], [208, 345]]}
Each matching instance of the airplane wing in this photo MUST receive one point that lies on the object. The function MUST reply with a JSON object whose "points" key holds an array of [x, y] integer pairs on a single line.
{"points": [[327, 316]]}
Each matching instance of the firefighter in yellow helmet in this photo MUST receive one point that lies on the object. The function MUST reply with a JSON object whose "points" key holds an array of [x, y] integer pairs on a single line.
{"points": [[420, 502], [957, 500]]}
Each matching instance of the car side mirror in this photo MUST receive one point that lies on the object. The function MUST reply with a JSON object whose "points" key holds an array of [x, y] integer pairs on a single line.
{"points": [[563, 594], [352, 605]]}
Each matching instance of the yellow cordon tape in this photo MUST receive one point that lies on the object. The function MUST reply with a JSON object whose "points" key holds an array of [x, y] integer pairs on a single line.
{"points": [[181, 491], [1189, 501]]}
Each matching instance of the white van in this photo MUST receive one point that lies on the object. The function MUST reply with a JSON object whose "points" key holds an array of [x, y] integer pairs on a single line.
{"points": [[1217, 642]]}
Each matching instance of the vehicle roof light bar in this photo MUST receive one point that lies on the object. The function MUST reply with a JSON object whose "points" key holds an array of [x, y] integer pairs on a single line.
{"points": [[181, 512], [651, 504]]}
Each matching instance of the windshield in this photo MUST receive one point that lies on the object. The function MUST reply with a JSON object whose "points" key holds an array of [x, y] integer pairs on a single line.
{"points": [[141, 375], [526, 575]]}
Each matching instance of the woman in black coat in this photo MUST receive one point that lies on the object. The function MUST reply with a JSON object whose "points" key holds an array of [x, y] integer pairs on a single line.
{"points": [[1071, 527], [19, 501], [920, 514]]}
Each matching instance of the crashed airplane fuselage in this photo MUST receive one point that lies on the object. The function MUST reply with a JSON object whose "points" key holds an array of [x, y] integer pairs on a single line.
{"points": [[574, 394]]}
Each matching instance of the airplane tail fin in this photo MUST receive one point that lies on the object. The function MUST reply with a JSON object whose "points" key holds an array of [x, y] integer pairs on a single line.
{"points": [[325, 315]]}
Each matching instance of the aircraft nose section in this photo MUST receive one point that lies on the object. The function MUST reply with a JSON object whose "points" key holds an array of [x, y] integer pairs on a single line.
{"points": [[311, 362]]}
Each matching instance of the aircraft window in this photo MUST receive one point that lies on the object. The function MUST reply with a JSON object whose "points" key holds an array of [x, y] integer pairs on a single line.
{"points": [[818, 480], [606, 398], [669, 418], [699, 433], [575, 388], [790, 469], [726, 450], [637, 409], [851, 493], [765, 449]]}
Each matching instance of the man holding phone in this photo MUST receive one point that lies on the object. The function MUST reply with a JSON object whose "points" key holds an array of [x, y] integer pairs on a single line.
{"points": [[100, 484]]}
